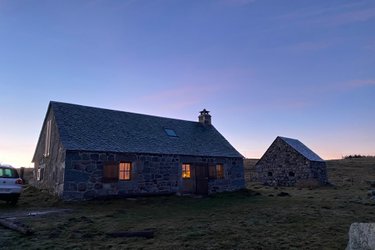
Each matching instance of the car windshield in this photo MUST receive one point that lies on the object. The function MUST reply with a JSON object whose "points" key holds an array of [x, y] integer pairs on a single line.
{"points": [[8, 173]]}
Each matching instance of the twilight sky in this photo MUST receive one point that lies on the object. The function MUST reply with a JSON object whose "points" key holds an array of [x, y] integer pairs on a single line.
{"points": [[302, 69]]}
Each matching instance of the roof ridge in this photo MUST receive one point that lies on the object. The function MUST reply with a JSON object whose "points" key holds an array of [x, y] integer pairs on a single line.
{"points": [[121, 111], [289, 138], [301, 148]]}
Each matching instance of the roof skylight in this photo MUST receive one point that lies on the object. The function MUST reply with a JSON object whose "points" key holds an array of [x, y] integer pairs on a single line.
{"points": [[170, 132]]}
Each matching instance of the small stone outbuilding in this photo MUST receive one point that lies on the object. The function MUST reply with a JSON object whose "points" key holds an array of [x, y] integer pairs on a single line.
{"points": [[86, 152], [288, 162]]}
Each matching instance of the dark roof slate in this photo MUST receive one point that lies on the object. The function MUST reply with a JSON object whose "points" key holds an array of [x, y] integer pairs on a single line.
{"points": [[96, 129], [302, 149]]}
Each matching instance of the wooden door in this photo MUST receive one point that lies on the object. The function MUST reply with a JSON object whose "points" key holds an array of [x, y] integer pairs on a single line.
{"points": [[201, 179]]}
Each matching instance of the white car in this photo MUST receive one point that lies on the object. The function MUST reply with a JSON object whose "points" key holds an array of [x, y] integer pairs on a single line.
{"points": [[10, 184]]}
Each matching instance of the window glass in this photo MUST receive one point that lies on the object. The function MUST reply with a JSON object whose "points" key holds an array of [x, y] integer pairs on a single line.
{"points": [[8, 173], [125, 171], [186, 174], [170, 132], [38, 175], [219, 171]]}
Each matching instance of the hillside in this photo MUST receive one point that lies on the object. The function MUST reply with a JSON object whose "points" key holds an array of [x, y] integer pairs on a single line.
{"points": [[254, 219]]}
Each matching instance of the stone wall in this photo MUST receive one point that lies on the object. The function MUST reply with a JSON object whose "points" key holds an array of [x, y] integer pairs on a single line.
{"points": [[319, 171], [52, 166], [233, 173], [282, 165], [151, 174]]}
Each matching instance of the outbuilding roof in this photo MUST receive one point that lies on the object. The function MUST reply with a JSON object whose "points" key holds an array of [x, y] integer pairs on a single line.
{"points": [[97, 129], [301, 148]]}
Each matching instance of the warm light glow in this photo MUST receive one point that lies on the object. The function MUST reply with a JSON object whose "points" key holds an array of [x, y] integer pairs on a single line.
{"points": [[125, 171], [219, 171], [186, 171]]}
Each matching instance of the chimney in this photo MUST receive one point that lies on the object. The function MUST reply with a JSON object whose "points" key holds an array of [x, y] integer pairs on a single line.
{"points": [[205, 117]]}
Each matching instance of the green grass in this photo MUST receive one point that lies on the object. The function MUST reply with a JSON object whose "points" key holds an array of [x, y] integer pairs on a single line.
{"points": [[308, 219]]}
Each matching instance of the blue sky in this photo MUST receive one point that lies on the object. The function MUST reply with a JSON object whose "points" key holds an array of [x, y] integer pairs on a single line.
{"points": [[301, 69]]}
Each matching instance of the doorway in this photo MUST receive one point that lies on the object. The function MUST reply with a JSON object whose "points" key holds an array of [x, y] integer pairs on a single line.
{"points": [[201, 179]]}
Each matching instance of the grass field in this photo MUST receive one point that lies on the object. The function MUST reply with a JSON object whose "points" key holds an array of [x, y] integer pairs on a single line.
{"points": [[256, 218]]}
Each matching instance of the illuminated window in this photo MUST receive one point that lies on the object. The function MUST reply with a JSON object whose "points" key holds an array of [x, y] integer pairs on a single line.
{"points": [[47, 145], [186, 171], [219, 171], [125, 171]]}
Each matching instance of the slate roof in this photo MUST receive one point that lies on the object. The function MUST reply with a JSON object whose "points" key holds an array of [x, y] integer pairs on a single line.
{"points": [[301, 148], [96, 129]]}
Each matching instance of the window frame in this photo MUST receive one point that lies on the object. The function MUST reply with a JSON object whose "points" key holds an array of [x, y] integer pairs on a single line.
{"points": [[216, 172], [170, 132], [186, 171], [7, 172], [126, 173], [40, 172], [220, 172]]}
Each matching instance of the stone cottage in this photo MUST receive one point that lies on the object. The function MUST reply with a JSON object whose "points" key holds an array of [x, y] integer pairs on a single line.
{"points": [[86, 152], [288, 162]]}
